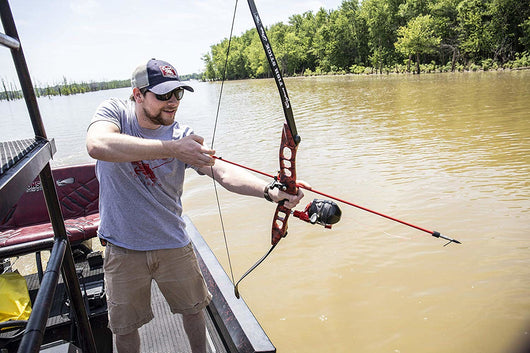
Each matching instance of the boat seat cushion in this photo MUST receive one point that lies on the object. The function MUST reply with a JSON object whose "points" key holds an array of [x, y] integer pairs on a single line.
{"points": [[78, 193]]}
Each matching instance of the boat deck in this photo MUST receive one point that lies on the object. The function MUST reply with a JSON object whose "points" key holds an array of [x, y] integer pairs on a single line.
{"points": [[231, 326], [165, 333]]}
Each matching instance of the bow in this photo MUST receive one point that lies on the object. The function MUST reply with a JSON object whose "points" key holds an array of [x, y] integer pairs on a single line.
{"points": [[288, 147], [321, 212]]}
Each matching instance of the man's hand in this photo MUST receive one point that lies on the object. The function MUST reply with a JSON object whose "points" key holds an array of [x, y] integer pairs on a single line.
{"points": [[290, 201], [191, 150]]}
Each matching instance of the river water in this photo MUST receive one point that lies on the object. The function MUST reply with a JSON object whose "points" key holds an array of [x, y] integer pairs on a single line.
{"points": [[447, 152]]}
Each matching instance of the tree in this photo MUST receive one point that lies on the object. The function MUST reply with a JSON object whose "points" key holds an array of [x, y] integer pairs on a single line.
{"points": [[418, 37], [473, 22], [348, 43], [505, 29], [278, 37], [524, 40], [304, 28], [444, 14], [413, 8], [215, 60], [209, 72], [382, 20], [6, 92], [322, 40], [258, 65], [380, 33]]}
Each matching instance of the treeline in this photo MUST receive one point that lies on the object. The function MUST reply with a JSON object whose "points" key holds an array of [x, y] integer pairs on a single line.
{"points": [[385, 36], [9, 91]]}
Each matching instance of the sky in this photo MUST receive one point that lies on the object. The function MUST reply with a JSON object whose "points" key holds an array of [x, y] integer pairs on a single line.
{"points": [[103, 40]]}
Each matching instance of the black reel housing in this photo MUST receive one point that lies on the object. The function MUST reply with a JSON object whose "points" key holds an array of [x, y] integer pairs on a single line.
{"points": [[324, 212]]}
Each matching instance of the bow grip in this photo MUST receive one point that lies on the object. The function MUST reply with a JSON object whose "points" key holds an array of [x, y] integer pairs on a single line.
{"points": [[287, 177]]}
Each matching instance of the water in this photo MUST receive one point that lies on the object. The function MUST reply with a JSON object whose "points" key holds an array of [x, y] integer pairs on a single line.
{"points": [[446, 152]]}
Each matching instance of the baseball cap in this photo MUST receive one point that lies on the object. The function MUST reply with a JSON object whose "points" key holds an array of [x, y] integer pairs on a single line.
{"points": [[160, 77]]}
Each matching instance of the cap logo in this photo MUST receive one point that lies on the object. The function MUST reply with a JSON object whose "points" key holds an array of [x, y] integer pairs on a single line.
{"points": [[168, 71]]}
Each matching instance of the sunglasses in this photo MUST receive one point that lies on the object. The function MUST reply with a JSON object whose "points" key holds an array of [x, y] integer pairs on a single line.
{"points": [[179, 93]]}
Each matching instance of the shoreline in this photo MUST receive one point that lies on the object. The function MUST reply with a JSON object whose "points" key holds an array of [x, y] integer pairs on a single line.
{"points": [[385, 73], [368, 71], [430, 72]]}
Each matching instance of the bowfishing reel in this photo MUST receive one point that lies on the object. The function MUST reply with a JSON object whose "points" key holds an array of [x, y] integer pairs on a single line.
{"points": [[323, 212]]}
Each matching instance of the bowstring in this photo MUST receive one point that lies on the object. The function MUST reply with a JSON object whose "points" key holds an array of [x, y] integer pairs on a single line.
{"points": [[213, 140]]}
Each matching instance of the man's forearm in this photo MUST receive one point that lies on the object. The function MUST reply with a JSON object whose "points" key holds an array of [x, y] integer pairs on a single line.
{"points": [[236, 180], [115, 147], [242, 182], [106, 143]]}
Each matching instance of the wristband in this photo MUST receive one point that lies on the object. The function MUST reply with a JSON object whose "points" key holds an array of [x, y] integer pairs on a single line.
{"points": [[273, 184], [266, 193]]}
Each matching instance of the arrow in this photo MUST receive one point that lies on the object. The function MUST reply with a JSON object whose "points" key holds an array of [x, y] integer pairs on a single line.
{"points": [[433, 233]]}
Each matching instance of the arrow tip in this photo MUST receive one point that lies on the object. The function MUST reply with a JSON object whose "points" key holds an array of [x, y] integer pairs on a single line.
{"points": [[450, 240]]}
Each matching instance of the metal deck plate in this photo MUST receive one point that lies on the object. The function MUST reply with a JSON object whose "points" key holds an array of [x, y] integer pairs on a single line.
{"points": [[165, 333]]}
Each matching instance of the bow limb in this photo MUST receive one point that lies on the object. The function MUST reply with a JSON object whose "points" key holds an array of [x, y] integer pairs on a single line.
{"points": [[290, 140], [286, 103], [290, 137]]}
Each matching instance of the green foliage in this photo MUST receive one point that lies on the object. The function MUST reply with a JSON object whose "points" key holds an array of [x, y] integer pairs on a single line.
{"points": [[418, 38], [522, 60], [524, 39], [383, 36], [357, 69]]}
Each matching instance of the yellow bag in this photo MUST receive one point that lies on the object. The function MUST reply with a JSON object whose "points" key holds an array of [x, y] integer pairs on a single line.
{"points": [[14, 297]]}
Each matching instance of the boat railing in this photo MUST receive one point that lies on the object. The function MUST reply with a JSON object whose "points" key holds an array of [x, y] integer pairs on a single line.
{"points": [[21, 162]]}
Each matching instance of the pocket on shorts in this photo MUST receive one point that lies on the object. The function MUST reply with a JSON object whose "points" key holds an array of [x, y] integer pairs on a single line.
{"points": [[115, 257]]}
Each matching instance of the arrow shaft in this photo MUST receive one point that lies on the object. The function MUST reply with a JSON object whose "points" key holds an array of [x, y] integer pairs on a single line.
{"points": [[433, 233], [366, 209]]}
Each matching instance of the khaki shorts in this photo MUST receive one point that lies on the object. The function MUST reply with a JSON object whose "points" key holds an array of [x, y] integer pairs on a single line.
{"points": [[128, 277]]}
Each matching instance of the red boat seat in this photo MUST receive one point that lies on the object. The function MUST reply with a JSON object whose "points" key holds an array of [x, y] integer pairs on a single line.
{"points": [[78, 193]]}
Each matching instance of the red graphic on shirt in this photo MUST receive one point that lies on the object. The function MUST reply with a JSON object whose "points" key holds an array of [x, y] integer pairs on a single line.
{"points": [[143, 169], [146, 173]]}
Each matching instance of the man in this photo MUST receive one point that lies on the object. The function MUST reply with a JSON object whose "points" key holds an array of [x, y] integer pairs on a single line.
{"points": [[142, 154]]}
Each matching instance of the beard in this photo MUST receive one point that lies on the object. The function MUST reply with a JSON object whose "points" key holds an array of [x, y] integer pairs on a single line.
{"points": [[160, 117]]}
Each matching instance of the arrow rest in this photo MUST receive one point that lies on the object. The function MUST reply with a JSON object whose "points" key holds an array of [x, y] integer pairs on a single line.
{"points": [[323, 212]]}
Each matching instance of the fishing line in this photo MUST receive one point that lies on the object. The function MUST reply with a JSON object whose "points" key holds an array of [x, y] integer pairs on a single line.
{"points": [[213, 140]]}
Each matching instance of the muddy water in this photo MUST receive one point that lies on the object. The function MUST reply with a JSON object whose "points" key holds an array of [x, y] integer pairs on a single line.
{"points": [[446, 152]]}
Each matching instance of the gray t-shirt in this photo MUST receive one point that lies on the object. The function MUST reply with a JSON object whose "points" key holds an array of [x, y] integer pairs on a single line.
{"points": [[139, 203]]}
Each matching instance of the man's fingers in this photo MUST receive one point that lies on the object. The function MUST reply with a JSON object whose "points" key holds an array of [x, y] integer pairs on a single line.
{"points": [[303, 184], [290, 201], [197, 138], [207, 160], [207, 150]]}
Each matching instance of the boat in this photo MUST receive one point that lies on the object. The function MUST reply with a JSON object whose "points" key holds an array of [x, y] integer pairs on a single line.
{"points": [[56, 210]]}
